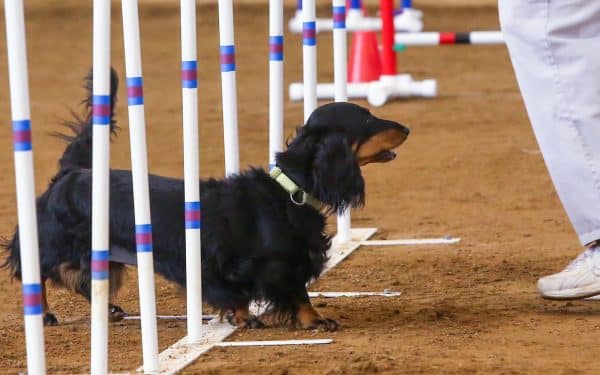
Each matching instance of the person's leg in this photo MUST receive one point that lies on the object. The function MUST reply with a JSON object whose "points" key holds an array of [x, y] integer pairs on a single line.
{"points": [[554, 47]]}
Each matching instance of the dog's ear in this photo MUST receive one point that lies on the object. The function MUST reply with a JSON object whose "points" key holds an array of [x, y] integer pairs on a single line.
{"points": [[336, 174]]}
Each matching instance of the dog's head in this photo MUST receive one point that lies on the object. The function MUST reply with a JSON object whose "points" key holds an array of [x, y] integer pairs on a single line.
{"points": [[325, 156]]}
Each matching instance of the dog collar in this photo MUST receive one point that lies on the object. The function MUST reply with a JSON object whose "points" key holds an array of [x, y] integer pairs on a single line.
{"points": [[291, 187]]}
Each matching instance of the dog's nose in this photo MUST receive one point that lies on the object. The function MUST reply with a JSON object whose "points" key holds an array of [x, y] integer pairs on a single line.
{"points": [[403, 128]]}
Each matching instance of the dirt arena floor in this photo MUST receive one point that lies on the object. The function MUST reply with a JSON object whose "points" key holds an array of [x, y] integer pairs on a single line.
{"points": [[471, 168]]}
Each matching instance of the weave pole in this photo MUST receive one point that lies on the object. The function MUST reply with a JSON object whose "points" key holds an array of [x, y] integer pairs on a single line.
{"points": [[275, 79], [340, 65], [100, 185], [406, 6], [228, 87], [309, 57], [340, 79], [405, 19], [355, 18], [377, 92], [25, 186], [355, 8], [191, 170], [141, 191]]}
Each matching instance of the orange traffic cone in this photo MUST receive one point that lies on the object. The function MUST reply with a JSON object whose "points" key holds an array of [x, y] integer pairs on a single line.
{"points": [[365, 62]]}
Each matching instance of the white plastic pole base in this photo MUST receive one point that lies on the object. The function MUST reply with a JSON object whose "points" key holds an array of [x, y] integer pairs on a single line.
{"points": [[377, 93], [410, 20], [415, 13]]}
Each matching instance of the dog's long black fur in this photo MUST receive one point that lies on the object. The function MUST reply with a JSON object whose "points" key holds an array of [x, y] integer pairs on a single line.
{"points": [[256, 243]]}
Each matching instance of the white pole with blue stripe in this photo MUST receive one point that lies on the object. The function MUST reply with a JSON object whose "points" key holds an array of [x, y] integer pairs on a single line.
{"points": [[25, 186], [100, 186], [340, 79], [355, 10], [228, 88], [141, 193], [275, 79], [309, 56], [191, 170]]}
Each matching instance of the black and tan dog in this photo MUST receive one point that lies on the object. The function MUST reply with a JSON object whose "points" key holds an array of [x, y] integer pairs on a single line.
{"points": [[263, 234]]}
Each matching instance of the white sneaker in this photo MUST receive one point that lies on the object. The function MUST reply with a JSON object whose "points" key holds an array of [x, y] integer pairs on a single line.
{"points": [[580, 279]]}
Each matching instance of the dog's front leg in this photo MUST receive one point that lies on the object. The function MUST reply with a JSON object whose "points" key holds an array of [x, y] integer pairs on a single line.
{"points": [[309, 318], [241, 318]]}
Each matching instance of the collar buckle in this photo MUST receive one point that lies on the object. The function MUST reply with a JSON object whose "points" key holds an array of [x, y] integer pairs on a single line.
{"points": [[302, 202], [290, 186]]}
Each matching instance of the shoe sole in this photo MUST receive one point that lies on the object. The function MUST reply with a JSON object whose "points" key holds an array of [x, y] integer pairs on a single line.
{"points": [[572, 294]]}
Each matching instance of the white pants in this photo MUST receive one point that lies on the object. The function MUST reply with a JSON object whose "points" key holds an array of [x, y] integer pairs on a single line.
{"points": [[554, 46]]}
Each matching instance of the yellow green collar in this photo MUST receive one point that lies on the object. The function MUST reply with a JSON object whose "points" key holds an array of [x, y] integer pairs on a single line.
{"points": [[291, 187]]}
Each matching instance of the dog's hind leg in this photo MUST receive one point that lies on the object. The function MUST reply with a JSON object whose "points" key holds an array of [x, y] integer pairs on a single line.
{"points": [[48, 318], [309, 318], [70, 277], [79, 281], [116, 272], [241, 318]]}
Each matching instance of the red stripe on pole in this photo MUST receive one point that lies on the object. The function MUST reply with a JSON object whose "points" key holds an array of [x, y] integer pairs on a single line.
{"points": [[99, 265], [143, 238], [193, 215], [447, 38], [22, 136], [135, 92], [32, 299]]}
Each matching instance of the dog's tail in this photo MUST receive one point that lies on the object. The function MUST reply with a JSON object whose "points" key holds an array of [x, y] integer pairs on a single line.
{"points": [[78, 153], [12, 262]]}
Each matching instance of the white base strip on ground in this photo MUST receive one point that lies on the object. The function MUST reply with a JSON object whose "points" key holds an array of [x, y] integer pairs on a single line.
{"points": [[274, 342], [179, 355], [310, 294], [171, 317], [415, 241], [353, 294], [339, 252]]}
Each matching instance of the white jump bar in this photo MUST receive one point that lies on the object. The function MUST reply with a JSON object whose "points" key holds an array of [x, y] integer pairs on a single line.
{"points": [[440, 38]]}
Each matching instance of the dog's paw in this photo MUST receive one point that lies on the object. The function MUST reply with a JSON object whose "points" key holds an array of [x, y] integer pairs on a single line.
{"points": [[252, 322], [115, 313], [323, 324], [50, 320]]}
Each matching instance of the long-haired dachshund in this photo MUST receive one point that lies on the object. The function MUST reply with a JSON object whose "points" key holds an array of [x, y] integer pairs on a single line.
{"points": [[263, 234]]}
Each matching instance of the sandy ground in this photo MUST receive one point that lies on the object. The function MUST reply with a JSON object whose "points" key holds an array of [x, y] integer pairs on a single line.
{"points": [[470, 168]]}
